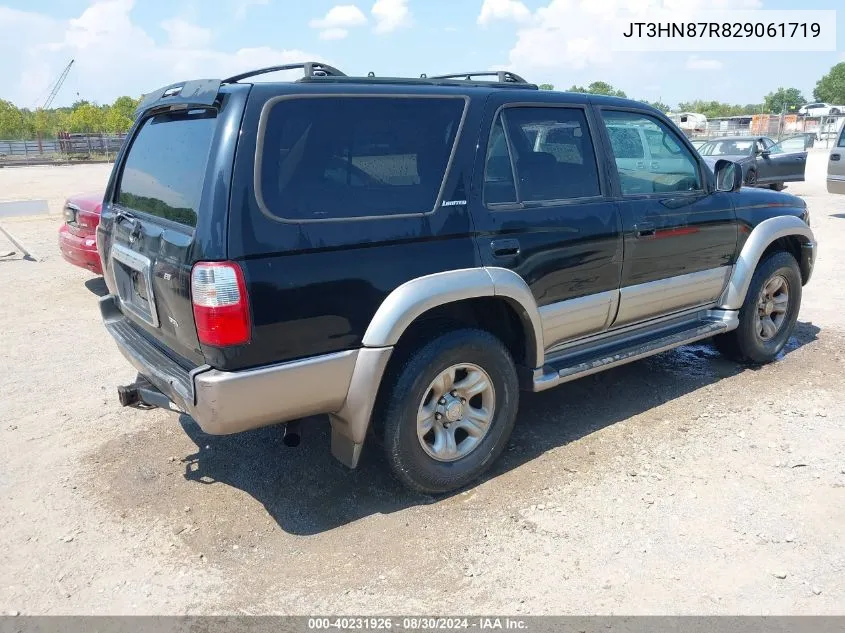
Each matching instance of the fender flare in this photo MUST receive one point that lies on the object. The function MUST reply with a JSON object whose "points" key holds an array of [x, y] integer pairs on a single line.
{"points": [[417, 296], [760, 239]]}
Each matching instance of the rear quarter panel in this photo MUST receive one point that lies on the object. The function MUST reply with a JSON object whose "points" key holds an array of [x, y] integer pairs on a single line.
{"points": [[314, 287]]}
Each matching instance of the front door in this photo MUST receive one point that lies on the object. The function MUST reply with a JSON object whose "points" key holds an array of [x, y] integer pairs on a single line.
{"points": [[775, 164], [680, 237], [542, 208]]}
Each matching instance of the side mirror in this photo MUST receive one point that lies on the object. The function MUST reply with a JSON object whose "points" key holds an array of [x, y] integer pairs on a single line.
{"points": [[765, 153], [728, 176]]}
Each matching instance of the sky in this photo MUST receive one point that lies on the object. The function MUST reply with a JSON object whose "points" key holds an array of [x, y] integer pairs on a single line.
{"points": [[134, 46]]}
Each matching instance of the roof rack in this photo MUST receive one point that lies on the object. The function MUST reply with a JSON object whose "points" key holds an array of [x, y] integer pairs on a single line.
{"points": [[502, 76], [310, 69]]}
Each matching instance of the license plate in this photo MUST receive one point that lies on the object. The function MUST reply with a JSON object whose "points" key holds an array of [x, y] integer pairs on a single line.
{"points": [[133, 278]]}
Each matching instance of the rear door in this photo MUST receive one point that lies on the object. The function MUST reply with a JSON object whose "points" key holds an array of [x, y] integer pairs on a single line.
{"points": [[160, 217], [541, 209]]}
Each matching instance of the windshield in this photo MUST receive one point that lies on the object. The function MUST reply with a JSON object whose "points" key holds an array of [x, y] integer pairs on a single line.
{"points": [[739, 147]]}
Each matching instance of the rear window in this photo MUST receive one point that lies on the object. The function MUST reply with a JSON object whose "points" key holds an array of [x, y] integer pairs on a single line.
{"points": [[351, 157], [164, 171]]}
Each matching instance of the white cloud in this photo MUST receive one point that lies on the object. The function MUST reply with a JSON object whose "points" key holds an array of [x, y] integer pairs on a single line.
{"points": [[503, 10], [337, 22], [183, 34], [333, 34], [694, 62], [242, 6], [113, 55], [575, 34], [391, 15]]}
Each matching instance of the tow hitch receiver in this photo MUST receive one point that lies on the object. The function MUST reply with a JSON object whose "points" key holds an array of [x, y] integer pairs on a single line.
{"points": [[142, 394]]}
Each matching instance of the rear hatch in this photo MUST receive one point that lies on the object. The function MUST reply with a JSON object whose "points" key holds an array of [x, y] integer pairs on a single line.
{"points": [[165, 209]]}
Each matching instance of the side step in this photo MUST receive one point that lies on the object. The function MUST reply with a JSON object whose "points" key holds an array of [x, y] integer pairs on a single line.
{"points": [[585, 360]]}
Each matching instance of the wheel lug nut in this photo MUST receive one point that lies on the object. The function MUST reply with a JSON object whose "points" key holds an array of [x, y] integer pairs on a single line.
{"points": [[442, 400], [463, 400], [454, 394], [437, 416]]}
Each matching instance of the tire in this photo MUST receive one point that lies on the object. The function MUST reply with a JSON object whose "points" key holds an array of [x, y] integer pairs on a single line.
{"points": [[409, 394], [778, 186], [747, 343], [750, 178]]}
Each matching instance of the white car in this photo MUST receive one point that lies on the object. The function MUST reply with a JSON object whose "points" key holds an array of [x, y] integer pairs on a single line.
{"points": [[821, 109]]}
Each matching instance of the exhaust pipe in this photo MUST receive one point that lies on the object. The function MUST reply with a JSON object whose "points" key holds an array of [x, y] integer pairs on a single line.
{"points": [[291, 438]]}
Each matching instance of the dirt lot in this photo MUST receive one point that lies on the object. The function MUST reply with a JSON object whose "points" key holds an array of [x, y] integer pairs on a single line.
{"points": [[679, 484]]}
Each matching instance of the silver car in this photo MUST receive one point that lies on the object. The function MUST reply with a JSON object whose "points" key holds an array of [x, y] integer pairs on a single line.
{"points": [[836, 165]]}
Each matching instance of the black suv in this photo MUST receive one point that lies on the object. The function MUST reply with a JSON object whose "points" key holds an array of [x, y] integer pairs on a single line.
{"points": [[405, 255]]}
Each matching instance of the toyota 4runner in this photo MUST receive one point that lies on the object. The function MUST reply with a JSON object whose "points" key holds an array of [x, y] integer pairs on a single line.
{"points": [[406, 255]]}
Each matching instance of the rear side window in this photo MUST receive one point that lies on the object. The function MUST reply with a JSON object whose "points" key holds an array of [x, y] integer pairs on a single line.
{"points": [[351, 157], [549, 149], [841, 138], [165, 168]]}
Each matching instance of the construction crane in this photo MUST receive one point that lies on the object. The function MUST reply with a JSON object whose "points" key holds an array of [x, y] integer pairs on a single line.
{"points": [[57, 86]]}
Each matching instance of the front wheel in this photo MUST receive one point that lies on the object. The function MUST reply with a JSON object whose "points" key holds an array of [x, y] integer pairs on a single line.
{"points": [[768, 314], [751, 178], [448, 410]]}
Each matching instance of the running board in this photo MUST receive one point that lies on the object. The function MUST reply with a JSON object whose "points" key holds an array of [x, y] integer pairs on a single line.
{"points": [[584, 360]]}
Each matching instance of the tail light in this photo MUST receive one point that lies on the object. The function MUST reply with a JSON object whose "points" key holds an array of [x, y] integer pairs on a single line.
{"points": [[89, 219], [221, 305]]}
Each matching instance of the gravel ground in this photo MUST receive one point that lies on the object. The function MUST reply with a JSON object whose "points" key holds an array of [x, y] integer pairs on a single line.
{"points": [[680, 484]]}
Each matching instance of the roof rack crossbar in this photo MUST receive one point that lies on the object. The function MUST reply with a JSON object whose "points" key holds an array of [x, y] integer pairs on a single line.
{"points": [[310, 69], [502, 76]]}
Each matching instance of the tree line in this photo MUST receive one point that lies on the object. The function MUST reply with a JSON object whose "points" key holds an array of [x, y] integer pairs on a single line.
{"points": [[116, 118], [829, 89], [83, 116]]}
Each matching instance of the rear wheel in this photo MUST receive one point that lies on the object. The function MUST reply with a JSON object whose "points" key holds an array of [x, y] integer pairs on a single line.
{"points": [[448, 410], [768, 314]]}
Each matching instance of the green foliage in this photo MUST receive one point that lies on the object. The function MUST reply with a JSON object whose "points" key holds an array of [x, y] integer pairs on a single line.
{"points": [[783, 100], [599, 88], [546, 86], [715, 109], [82, 116], [659, 105], [831, 87]]}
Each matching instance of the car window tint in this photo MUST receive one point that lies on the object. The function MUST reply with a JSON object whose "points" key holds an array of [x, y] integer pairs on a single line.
{"points": [[553, 153], [670, 166], [335, 158], [626, 142], [841, 142], [499, 186], [165, 167]]}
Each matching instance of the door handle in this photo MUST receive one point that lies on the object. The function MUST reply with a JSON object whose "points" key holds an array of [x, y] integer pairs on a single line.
{"points": [[834, 157], [505, 248], [644, 229], [641, 164], [655, 165]]}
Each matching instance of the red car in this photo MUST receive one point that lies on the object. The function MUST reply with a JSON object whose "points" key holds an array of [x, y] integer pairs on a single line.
{"points": [[78, 235]]}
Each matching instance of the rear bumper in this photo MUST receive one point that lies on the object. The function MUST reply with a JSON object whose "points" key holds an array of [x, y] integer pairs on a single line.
{"points": [[80, 251], [229, 402]]}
